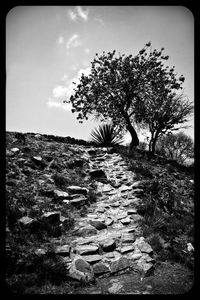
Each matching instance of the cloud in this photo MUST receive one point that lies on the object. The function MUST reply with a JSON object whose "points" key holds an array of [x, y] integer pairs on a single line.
{"points": [[78, 14], [60, 40], [73, 41], [82, 14], [61, 93], [52, 103], [72, 15]]}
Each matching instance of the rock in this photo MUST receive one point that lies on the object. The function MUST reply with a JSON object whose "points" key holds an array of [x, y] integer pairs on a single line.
{"points": [[131, 211], [92, 152], [81, 270], [138, 191], [116, 287], [63, 250], [100, 268], [87, 230], [87, 249], [15, 150], [47, 191], [115, 204], [128, 238], [135, 256], [26, 222], [97, 173], [108, 245], [121, 215], [126, 249], [119, 264], [38, 161], [51, 217], [100, 209], [125, 221], [60, 195], [146, 267], [92, 258], [109, 222], [79, 201], [142, 245], [73, 189], [40, 252], [98, 224]]}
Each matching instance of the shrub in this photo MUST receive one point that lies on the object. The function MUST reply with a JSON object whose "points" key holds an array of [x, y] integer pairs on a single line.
{"points": [[106, 135]]}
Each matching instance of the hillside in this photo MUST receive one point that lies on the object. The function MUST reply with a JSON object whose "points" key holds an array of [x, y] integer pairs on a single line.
{"points": [[81, 219]]}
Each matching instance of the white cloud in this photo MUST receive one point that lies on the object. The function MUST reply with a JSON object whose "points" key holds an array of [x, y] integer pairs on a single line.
{"points": [[59, 91], [60, 40], [63, 92], [83, 14], [78, 13], [73, 41], [51, 103], [72, 15]]}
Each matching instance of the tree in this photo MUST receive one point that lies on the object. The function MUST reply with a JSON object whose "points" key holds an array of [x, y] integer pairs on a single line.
{"points": [[160, 108], [176, 146], [117, 88], [161, 115]]}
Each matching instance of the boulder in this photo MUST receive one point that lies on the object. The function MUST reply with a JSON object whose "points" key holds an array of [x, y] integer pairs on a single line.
{"points": [[142, 245], [125, 249], [108, 222], [101, 268], [81, 270], [87, 231], [128, 237], [119, 264], [108, 245], [99, 225], [51, 217]]}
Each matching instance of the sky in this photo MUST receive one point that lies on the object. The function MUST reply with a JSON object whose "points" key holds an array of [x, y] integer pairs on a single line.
{"points": [[48, 47]]}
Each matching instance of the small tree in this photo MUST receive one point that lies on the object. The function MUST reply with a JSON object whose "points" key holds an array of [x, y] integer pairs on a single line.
{"points": [[178, 147]]}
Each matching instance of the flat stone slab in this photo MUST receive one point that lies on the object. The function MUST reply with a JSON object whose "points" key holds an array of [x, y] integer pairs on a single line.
{"points": [[131, 211], [115, 204], [92, 258], [63, 250], [121, 215], [126, 249], [128, 237], [77, 190], [87, 249]]}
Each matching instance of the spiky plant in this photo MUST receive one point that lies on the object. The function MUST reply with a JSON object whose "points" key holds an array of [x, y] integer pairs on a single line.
{"points": [[106, 135]]}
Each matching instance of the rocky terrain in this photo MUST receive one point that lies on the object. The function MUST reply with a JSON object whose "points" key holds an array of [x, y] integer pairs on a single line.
{"points": [[73, 223]]}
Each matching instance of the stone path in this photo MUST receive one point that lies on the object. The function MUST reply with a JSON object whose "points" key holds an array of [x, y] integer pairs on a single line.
{"points": [[108, 241]]}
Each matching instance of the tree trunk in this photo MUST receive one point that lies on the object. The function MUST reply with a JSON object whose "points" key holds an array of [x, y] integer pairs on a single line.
{"points": [[152, 143], [134, 140]]}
